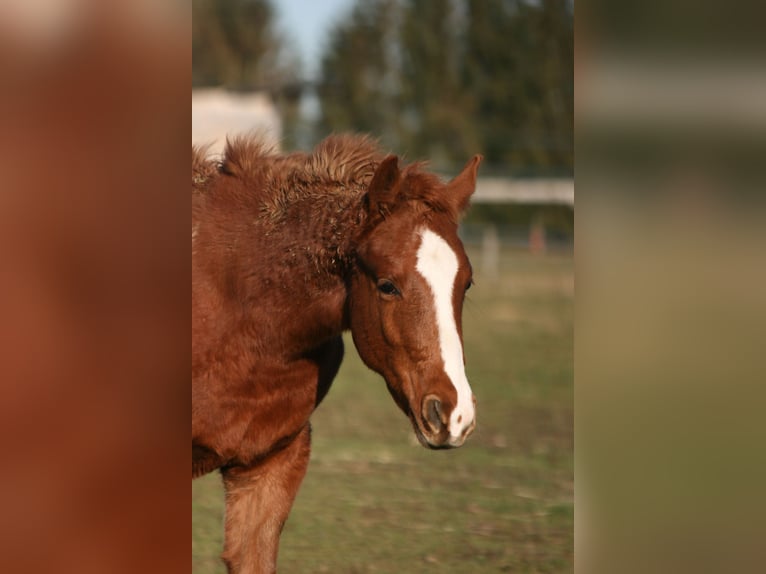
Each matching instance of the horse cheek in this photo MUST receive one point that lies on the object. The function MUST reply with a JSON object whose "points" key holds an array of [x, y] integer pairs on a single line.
{"points": [[366, 334], [389, 326]]}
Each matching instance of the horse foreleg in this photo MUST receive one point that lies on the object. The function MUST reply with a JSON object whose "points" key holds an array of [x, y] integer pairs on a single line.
{"points": [[258, 500]]}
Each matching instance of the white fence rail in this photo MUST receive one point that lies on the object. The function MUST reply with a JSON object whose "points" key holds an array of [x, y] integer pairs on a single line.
{"points": [[541, 191]]}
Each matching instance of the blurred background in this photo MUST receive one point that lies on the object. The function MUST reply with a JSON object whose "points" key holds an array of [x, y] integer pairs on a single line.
{"points": [[671, 324], [438, 80], [671, 141]]}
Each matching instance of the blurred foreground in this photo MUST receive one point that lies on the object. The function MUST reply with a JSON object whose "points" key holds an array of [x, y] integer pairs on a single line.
{"points": [[94, 272]]}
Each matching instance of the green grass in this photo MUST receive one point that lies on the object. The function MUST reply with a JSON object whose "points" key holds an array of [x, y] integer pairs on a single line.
{"points": [[375, 501]]}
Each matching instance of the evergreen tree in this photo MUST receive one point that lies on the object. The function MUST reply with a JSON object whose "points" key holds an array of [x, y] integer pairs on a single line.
{"points": [[357, 87], [520, 79], [433, 101], [235, 45], [443, 78]]}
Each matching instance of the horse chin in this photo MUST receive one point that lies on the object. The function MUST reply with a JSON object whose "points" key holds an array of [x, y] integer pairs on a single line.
{"points": [[423, 439]]}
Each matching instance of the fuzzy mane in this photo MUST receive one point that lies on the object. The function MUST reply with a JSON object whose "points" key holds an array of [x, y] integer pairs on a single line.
{"points": [[339, 168], [203, 169], [341, 159]]}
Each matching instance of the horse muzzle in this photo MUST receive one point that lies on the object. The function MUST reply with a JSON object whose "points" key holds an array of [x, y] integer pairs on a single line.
{"points": [[433, 430]]}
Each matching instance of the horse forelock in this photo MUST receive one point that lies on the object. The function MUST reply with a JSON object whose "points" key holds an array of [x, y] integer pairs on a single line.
{"points": [[425, 192]]}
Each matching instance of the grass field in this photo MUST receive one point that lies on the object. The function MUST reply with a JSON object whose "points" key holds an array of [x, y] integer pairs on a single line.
{"points": [[375, 501]]}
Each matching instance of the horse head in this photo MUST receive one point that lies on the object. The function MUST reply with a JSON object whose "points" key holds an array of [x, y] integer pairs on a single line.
{"points": [[406, 297]]}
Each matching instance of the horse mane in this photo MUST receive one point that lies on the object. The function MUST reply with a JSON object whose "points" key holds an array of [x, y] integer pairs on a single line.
{"points": [[339, 168], [338, 159], [425, 192], [203, 168]]}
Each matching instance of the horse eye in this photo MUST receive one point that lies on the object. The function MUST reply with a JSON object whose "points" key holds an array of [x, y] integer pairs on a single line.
{"points": [[468, 285], [387, 288]]}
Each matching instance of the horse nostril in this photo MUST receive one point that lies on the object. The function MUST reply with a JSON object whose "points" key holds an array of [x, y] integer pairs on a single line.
{"points": [[468, 429], [433, 414]]}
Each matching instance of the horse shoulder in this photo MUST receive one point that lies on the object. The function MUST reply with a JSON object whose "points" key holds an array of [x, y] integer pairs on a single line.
{"points": [[244, 417]]}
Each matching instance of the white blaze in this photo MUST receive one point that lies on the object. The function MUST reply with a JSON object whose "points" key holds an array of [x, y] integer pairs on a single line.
{"points": [[438, 265]]}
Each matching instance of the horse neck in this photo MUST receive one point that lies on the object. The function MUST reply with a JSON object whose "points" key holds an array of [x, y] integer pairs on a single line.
{"points": [[317, 237], [326, 231]]}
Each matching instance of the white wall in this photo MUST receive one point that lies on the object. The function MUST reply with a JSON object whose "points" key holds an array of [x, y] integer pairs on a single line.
{"points": [[217, 113]]}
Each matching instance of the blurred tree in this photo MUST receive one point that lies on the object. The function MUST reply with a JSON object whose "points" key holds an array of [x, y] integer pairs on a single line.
{"points": [[208, 45], [444, 78], [518, 69], [235, 45], [357, 87], [553, 78], [492, 75], [433, 103]]}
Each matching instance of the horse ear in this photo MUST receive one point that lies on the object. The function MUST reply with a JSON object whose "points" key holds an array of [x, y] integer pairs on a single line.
{"points": [[383, 187], [461, 188]]}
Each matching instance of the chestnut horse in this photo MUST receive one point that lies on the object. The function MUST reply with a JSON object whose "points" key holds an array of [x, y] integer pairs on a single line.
{"points": [[289, 251]]}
